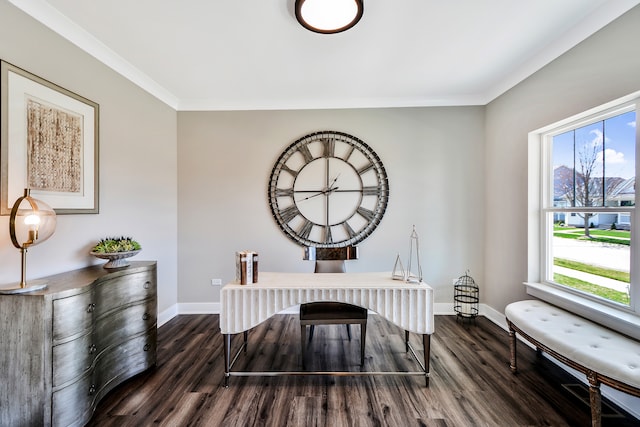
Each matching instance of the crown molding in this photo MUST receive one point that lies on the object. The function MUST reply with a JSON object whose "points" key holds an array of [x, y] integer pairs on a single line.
{"points": [[50, 17]]}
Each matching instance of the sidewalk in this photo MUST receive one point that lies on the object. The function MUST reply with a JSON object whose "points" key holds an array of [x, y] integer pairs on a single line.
{"points": [[592, 278], [617, 257]]}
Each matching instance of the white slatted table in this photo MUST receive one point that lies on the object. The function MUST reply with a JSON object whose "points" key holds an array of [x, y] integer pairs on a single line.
{"points": [[408, 305]]}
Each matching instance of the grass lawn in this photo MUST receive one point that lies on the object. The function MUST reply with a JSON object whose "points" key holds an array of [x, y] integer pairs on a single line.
{"points": [[620, 237], [612, 233], [622, 276], [622, 234], [607, 293]]}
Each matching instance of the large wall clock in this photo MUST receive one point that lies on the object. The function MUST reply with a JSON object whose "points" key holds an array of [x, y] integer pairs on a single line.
{"points": [[328, 190]]}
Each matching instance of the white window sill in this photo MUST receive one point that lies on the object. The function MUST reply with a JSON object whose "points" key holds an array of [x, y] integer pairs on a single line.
{"points": [[618, 319]]}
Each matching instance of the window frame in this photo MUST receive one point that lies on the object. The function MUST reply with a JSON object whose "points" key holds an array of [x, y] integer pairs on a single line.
{"points": [[625, 319]]}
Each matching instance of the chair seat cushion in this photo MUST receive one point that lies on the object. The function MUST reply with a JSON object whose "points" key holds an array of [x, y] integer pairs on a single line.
{"points": [[331, 310]]}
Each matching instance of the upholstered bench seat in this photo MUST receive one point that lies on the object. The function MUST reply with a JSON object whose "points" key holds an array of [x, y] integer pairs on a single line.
{"points": [[605, 356]]}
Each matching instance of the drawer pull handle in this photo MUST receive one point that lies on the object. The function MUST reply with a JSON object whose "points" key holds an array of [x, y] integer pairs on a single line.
{"points": [[92, 390], [92, 348], [91, 307], [146, 316], [147, 284]]}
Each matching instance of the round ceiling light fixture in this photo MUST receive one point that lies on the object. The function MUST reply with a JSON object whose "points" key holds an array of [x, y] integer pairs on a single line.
{"points": [[329, 16]]}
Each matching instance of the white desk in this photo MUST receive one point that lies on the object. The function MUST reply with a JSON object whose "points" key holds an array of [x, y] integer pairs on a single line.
{"points": [[408, 305]]}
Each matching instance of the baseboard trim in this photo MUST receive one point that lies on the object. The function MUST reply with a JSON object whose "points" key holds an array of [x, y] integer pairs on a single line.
{"points": [[199, 308], [168, 314]]}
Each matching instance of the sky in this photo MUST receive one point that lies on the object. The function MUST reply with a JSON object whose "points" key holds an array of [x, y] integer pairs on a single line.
{"points": [[619, 136]]}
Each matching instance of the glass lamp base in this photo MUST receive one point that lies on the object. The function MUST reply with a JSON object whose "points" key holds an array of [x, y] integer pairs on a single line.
{"points": [[32, 286]]}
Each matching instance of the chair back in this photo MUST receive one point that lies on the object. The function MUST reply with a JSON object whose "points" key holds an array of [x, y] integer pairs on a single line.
{"points": [[330, 266]]}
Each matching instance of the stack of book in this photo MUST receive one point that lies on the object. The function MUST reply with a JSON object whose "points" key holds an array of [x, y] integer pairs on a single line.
{"points": [[246, 267]]}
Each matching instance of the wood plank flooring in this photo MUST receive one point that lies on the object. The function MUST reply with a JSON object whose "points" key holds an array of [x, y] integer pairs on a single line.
{"points": [[470, 385]]}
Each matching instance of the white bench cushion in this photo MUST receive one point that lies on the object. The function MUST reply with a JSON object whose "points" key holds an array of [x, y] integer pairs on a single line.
{"points": [[593, 346]]}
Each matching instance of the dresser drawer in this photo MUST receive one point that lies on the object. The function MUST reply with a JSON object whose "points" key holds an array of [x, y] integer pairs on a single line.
{"points": [[112, 293], [72, 315], [72, 405], [122, 324], [73, 358], [77, 400], [125, 361]]}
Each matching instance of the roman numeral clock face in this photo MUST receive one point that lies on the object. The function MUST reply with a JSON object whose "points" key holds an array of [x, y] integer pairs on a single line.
{"points": [[328, 189]]}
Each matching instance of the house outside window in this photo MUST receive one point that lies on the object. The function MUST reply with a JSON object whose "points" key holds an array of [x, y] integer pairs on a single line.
{"points": [[583, 253]]}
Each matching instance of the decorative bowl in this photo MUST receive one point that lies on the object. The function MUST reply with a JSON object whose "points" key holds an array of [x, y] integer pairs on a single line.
{"points": [[116, 259]]}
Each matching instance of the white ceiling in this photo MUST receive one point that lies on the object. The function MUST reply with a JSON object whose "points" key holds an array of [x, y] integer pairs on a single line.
{"points": [[252, 54]]}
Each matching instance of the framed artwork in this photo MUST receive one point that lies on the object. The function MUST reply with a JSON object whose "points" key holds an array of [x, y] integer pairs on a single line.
{"points": [[48, 143]]}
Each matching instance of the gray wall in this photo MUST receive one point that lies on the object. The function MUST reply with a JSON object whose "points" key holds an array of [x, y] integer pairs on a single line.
{"points": [[459, 174], [603, 68], [138, 178], [433, 157]]}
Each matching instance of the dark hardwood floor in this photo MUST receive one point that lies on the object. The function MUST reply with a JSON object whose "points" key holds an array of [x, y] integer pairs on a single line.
{"points": [[470, 385]]}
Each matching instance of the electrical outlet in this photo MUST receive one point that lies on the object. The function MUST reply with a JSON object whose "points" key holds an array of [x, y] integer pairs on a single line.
{"points": [[216, 282]]}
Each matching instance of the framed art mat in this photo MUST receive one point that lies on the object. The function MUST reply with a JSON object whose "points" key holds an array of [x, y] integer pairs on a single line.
{"points": [[49, 144]]}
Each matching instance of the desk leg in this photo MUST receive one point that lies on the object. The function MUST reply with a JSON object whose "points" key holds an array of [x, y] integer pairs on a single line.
{"points": [[426, 344], [227, 358]]}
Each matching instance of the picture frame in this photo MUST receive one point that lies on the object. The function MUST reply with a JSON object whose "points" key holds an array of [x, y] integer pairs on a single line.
{"points": [[49, 143]]}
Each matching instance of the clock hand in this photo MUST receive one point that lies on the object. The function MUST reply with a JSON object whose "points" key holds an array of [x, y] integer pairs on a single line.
{"points": [[326, 191], [334, 181], [312, 196]]}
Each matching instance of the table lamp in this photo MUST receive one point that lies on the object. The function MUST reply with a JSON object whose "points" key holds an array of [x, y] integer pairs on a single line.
{"points": [[32, 222]]}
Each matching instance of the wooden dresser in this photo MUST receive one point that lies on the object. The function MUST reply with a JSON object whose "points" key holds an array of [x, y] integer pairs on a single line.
{"points": [[63, 348]]}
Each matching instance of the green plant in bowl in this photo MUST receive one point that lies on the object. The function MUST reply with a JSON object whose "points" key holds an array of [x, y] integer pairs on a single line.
{"points": [[116, 250], [111, 245]]}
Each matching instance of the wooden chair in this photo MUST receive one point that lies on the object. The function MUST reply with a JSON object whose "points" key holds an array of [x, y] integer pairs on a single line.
{"points": [[331, 313]]}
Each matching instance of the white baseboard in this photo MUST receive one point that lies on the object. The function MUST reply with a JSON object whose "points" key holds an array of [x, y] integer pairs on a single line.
{"points": [[168, 314], [188, 308], [494, 315], [199, 308]]}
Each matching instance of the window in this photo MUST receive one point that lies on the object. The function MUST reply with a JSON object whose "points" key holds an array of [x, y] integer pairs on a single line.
{"points": [[582, 205], [592, 172]]}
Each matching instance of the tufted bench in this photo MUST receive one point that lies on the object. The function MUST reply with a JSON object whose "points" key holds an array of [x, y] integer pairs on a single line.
{"points": [[605, 356]]}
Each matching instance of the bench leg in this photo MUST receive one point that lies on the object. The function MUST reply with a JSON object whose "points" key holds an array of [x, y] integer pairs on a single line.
{"points": [[595, 399], [512, 346]]}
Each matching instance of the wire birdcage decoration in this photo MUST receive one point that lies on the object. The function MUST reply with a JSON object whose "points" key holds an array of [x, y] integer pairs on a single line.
{"points": [[466, 297]]}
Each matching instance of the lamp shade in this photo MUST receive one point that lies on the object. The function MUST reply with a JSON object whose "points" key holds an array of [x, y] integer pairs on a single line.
{"points": [[329, 16], [32, 222]]}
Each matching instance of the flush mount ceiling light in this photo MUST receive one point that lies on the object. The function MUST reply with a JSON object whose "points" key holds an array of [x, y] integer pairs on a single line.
{"points": [[329, 16]]}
